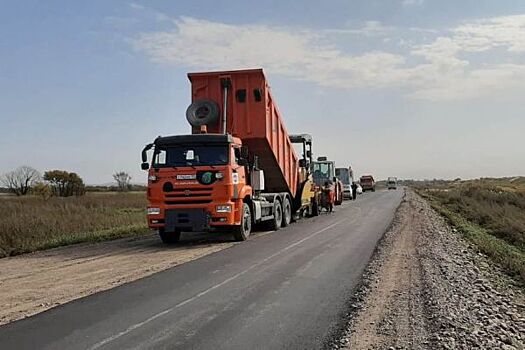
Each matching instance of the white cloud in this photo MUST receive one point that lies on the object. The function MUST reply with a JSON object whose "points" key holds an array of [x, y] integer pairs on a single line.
{"points": [[299, 54], [412, 2], [370, 29], [136, 6], [447, 76], [485, 34], [481, 82], [310, 55]]}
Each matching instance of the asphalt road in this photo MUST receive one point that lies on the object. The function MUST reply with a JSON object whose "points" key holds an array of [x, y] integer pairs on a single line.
{"points": [[282, 290]]}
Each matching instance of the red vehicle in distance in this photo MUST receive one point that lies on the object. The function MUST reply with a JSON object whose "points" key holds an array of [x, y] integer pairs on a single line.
{"points": [[368, 183]]}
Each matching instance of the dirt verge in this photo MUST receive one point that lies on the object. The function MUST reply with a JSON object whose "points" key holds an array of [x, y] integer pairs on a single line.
{"points": [[427, 288], [35, 282]]}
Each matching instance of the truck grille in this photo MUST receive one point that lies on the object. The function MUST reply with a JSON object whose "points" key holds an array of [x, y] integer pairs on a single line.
{"points": [[189, 196]]}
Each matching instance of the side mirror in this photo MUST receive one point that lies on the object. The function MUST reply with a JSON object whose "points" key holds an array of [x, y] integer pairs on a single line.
{"points": [[309, 154], [144, 166], [335, 179], [242, 161], [145, 155], [244, 152]]}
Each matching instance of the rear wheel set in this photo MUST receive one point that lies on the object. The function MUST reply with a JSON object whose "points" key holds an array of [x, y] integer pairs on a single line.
{"points": [[287, 212], [277, 220]]}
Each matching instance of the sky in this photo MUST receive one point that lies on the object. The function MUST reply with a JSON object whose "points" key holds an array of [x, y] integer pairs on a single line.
{"points": [[416, 89]]}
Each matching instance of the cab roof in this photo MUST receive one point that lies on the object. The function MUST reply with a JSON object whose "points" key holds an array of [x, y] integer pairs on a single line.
{"points": [[194, 138]]}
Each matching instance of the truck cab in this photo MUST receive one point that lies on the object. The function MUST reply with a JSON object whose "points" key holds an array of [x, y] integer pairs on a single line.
{"points": [[391, 183], [195, 183]]}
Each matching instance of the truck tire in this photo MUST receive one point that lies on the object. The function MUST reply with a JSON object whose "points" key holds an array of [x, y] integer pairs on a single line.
{"points": [[203, 112], [275, 223], [242, 232], [315, 208], [338, 195], [169, 237], [287, 212]]}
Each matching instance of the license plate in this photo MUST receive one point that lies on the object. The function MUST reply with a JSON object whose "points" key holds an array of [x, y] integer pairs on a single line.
{"points": [[186, 177]]}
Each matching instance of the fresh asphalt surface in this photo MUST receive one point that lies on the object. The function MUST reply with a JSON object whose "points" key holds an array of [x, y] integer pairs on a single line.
{"points": [[285, 289]]}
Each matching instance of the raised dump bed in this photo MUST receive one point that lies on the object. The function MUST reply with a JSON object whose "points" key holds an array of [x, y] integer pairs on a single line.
{"points": [[251, 115]]}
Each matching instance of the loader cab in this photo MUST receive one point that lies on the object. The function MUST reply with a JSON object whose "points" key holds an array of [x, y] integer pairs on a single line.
{"points": [[323, 171], [303, 146]]}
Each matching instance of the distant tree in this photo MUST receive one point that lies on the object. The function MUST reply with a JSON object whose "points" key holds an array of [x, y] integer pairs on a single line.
{"points": [[123, 180], [65, 184], [20, 180], [43, 190]]}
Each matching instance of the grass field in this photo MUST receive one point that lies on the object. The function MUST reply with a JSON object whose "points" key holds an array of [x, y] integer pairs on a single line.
{"points": [[491, 213], [30, 223]]}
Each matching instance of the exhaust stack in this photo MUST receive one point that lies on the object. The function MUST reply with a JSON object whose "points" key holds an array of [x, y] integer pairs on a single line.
{"points": [[226, 83]]}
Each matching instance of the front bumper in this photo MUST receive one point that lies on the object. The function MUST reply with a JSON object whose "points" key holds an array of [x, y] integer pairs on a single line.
{"points": [[193, 218], [187, 220]]}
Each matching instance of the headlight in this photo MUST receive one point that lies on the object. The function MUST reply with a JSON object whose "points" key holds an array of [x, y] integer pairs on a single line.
{"points": [[219, 175], [223, 209], [152, 178], [153, 211]]}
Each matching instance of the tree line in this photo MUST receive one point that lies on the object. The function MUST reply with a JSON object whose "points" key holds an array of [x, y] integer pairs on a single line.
{"points": [[26, 180]]}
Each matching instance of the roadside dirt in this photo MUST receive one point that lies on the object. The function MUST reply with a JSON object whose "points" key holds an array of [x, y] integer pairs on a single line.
{"points": [[427, 288], [35, 282], [397, 292]]}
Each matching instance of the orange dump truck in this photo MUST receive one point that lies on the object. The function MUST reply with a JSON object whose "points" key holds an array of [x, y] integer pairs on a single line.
{"points": [[237, 168], [367, 183]]}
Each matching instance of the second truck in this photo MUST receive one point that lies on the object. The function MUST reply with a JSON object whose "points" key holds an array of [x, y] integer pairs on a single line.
{"points": [[236, 169]]}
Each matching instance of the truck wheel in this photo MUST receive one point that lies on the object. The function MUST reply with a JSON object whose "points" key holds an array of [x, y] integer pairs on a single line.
{"points": [[242, 232], [275, 223], [339, 196], [169, 237], [287, 212]]}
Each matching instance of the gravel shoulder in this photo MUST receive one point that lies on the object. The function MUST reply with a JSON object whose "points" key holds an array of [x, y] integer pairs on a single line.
{"points": [[427, 288], [35, 282]]}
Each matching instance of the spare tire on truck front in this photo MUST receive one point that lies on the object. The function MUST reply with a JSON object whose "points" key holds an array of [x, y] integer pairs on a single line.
{"points": [[203, 112]]}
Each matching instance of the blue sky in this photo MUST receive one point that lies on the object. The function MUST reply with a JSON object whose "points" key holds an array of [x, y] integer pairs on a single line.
{"points": [[407, 88]]}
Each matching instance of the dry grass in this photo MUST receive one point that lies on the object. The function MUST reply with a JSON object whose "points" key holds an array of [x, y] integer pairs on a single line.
{"points": [[491, 214], [499, 211], [30, 223]]}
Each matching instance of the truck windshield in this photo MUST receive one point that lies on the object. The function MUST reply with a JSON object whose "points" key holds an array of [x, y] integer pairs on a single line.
{"points": [[322, 172], [190, 155]]}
